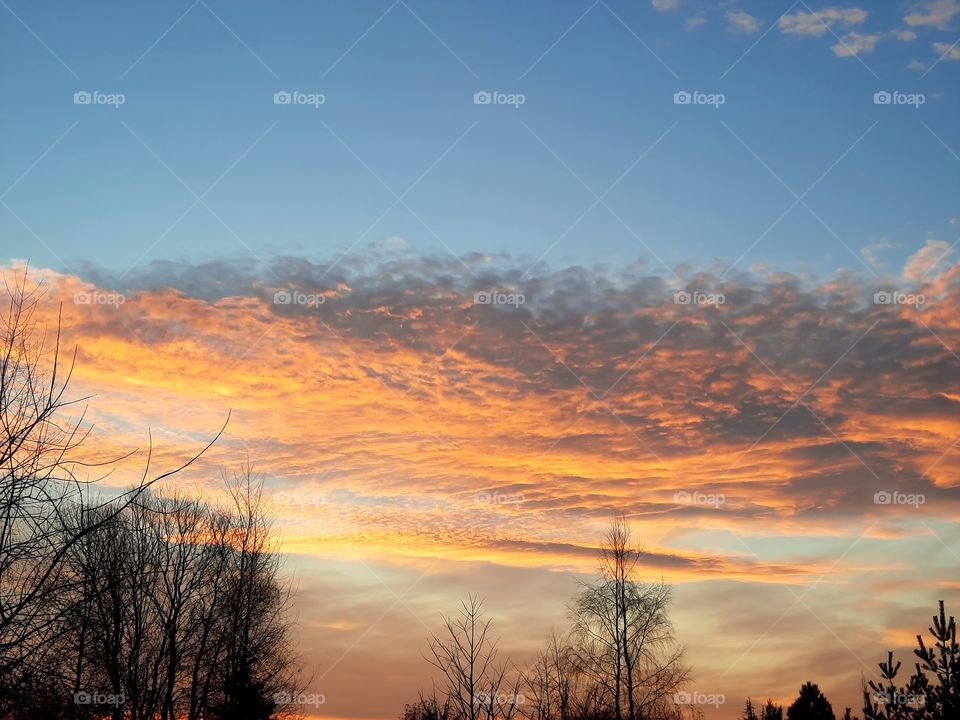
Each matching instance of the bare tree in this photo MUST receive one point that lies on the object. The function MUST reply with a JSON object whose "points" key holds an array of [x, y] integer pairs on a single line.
{"points": [[40, 487], [476, 687], [552, 684], [623, 635]]}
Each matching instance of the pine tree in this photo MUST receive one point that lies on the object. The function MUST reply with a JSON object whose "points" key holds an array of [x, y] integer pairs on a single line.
{"points": [[811, 704], [772, 712], [245, 698], [748, 712], [932, 692]]}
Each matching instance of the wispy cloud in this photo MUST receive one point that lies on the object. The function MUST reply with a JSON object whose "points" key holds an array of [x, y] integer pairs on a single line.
{"points": [[854, 43], [742, 22], [947, 51], [933, 13], [816, 23]]}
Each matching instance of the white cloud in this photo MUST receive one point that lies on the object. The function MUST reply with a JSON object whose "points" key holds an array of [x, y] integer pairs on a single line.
{"points": [[870, 253], [921, 265], [917, 65], [855, 44], [817, 23], [695, 22], [945, 51], [905, 35], [742, 22], [933, 13], [665, 5]]}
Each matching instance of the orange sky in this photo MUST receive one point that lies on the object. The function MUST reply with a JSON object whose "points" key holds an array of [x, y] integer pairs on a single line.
{"points": [[418, 447]]}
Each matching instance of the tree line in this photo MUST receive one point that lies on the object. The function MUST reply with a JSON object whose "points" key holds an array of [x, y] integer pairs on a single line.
{"points": [[620, 660], [134, 605]]}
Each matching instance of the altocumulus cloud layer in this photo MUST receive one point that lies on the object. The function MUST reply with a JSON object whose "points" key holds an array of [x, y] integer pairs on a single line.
{"points": [[799, 433]]}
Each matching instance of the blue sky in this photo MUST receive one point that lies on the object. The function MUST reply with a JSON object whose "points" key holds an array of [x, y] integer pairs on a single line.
{"points": [[598, 79]]}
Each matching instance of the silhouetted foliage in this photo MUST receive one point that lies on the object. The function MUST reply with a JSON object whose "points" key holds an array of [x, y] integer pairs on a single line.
{"points": [[622, 637], [619, 662], [138, 606], [811, 704], [932, 692], [771, 711]]}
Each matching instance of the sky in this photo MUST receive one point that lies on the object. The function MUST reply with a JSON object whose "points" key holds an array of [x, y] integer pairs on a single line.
{"points": [[297, 213]]}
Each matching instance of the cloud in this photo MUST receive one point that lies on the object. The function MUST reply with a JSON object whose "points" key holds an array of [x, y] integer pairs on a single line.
{"points": [[742, 22], [695, 22], [933, 13], [482, 447], [869, 253], [853, 44], [665, 5], [904, 35], [816, 23], [925, 261], [947, 51], [917, 65]]}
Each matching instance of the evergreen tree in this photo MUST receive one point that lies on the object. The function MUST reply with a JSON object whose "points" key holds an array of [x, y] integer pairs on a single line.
{"points": [[771, 711], [811, 704], [748, 712], [244, 697]]}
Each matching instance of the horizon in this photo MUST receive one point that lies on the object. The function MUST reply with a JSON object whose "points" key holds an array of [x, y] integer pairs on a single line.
{"points": [[470, 281]]}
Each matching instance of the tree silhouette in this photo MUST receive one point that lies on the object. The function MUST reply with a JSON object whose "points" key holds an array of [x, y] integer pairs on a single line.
{"points": [[811, 704], [932, 692], [623, 636], [771, 711]]}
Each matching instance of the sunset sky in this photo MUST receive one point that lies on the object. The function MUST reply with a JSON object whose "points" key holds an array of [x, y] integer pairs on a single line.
{"points": [[418, 445]]}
